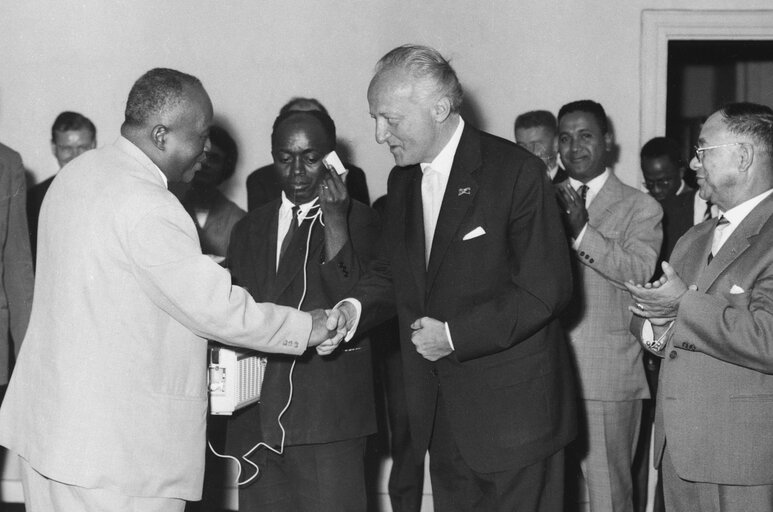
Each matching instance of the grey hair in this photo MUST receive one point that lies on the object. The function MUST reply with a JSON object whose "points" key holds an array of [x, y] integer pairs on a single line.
{"points": [[752, 120], [157, 91], [424, 62]]}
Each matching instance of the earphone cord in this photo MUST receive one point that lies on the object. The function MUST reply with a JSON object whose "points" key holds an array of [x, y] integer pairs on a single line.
{"points": [[317, 215]]}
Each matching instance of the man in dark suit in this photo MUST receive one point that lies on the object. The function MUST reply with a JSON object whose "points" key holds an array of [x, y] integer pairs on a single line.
{"points": [[474, 261], [306, 249], [537, 131], [263, 184], [712, 315], [71, 135]]}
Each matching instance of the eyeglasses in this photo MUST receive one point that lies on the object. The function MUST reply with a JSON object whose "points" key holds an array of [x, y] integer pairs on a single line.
{"points": [[698, 151]]}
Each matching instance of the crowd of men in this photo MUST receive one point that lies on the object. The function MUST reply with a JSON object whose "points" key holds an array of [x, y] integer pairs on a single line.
{"points": [[536, 305]]}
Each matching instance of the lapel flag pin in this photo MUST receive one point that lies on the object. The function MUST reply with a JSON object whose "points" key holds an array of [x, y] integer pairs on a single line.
{"points": [[464, 190]]}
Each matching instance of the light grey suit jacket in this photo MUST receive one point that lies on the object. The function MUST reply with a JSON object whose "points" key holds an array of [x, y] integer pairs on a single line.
{"points": [[110, 387], [715, 397], [621, 242], [15, 257]]}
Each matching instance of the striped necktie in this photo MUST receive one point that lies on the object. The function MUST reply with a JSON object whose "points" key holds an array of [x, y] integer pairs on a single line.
{"points": [[716, 242]]}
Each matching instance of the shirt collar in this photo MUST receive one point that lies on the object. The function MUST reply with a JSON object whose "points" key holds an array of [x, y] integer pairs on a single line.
{"points": [[287, 206], [738, 213], [132, 150], [594, 185], [445, 159]]}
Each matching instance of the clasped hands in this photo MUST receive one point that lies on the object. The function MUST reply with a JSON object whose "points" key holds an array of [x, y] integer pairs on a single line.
{"points": [[328, 328], [428, 336], [658, 301]]}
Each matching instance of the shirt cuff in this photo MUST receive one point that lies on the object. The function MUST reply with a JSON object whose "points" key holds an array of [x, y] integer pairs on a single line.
{"points": [[576, 242], [448, 335], [358, 308], [655, 346]]}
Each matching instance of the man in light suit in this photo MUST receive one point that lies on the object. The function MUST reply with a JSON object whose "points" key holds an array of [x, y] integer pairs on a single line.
{"points": [[108, 403], [322, 464], [615, 233], [474, 260], [15, 260], [711, 317]]}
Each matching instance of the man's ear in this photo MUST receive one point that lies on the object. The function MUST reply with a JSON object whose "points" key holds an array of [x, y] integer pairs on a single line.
{"points": [[442, 109], [745, 157], [608, 141], [158, 136]]}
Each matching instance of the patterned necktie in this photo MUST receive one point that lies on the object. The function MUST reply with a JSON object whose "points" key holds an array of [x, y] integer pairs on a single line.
{"points": [[290, 232], [707, 214], [716, 242]]}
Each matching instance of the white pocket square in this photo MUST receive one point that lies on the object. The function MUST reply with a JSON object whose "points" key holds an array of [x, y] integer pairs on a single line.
{"points": [[736, 290], [475, 233]]}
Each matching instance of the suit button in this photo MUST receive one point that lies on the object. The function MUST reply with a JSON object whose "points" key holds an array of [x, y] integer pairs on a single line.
{"points": [[582, 253], [672, 354], [590, 260]]}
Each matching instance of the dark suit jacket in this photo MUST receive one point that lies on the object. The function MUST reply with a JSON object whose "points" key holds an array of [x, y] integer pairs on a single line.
{"points": [[333, 396], [560, 176], [678, 212], [263, 186], [508, 385], [35, 196]]}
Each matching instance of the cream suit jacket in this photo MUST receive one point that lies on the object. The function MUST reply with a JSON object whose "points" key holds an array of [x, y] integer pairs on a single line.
{"points": [[621, 241], [715, 396], [110, 387]]}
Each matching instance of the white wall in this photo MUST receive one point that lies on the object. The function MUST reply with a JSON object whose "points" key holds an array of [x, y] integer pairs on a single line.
{"points": [[252, 55]]}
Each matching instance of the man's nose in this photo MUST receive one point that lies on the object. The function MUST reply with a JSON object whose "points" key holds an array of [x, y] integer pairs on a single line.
{"points": [[382, 131]]}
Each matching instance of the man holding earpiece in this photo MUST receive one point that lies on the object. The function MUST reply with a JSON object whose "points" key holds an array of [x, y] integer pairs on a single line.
{"points": [[306, 249]]}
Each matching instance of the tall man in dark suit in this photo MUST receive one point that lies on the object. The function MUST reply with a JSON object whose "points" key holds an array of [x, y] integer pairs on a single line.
{"points": [[263, 184], [537, 131], [711, 314], [307, 249], [474, 261], [615, 233]]}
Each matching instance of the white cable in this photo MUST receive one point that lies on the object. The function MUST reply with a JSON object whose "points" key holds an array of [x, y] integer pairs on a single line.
{"points": [[317, 215]]}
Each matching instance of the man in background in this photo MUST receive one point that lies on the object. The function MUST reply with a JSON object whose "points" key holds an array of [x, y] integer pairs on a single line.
{"points": [[15, 261], [107, 405], [213, 213], [537, 131], [615, 233], [71, 135], [263, 185]]}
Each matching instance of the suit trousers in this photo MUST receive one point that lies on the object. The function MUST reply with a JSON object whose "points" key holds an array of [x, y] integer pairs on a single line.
{"points": [[325, 477], [604, 451], [42, 494], [458, 488], [686, 496]]}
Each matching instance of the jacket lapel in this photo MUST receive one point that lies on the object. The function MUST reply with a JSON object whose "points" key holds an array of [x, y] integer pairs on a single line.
{"points": [[738, 242], [610, 193], [263, 254], [458, 198]]}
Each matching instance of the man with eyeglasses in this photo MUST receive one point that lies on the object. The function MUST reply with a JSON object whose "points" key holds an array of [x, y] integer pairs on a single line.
{"points": [[711, 318], [71, 135]]}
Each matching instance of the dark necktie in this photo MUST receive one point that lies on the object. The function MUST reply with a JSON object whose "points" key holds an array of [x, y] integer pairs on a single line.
{"points": [[583, 193], [722, 223], [290, 232]]}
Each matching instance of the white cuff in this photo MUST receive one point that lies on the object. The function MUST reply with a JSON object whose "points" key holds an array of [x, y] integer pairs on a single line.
{"points": [[655, 346], [448, 335], [358, 308], [576, 242]]}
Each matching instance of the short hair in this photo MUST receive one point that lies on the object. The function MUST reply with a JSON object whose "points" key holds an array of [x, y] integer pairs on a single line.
{"points": [[663, 146], [219, 136], [424, 62], [298, 100], [589, 106], [536, 119], [159, 90], [325, 120], [72, 121], [750, 119]]}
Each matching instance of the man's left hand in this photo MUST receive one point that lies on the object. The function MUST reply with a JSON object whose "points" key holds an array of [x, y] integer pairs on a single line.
{"points": [[333, 196], [429, 337], [661, 298]]}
